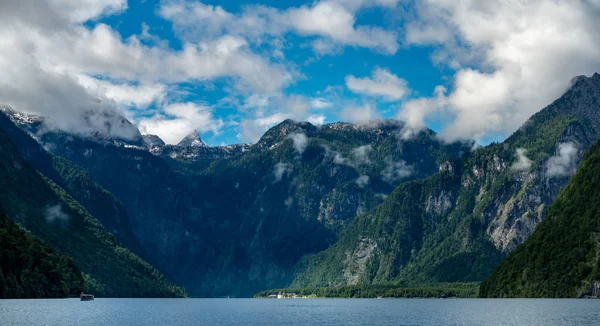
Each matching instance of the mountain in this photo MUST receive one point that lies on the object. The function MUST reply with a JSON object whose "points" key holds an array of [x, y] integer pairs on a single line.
{"points": [[29, 268], [232, 220], [458, 224], [102, 126], [152, 140], [192, 140], [561, 258], [77, 183], [41, 206]]}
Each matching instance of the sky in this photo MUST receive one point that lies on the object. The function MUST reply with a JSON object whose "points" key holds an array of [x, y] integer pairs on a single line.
{"points": [[232, 69]]}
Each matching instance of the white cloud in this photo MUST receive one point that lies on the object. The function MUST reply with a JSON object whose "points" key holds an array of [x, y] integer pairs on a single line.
{"points": [[250, 130], [300, 141], [523, 163], [48, 60], [179, 119], [415, 111], [54, 213], [320, 103], [361, 154], [362, 180], [334, 21], [361, 115], [316, 119], [396, 171], [513, 57], [84, 10], [382, 84], [124, 94], [280, 170], [270, 109], [564, 162]]}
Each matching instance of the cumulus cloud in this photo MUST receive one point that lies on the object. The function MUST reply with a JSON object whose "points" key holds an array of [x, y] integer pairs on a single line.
{"points": [[300, 141], [333, 21], [55, 213], [523, 163], [55, 66], [396, 171], [510, 60], [124, 94], [564, 162], [280, 170], [362, 115], [316, 119], [179, 119], [382, 84]]}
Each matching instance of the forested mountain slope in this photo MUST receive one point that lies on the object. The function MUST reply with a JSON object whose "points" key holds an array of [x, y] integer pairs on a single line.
{"points": [[39, 205], [459, 224], [562, 257], [29, 268]]}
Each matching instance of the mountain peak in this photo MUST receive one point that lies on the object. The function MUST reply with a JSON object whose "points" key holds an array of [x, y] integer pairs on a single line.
{"points": [[152, 140], [192, 140]]}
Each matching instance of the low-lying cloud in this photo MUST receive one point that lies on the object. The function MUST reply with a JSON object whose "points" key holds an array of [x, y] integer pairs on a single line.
{"points": [[396, 171], [523, 163], [564, 162], [55, 213], [280, 170], [300, 141]]}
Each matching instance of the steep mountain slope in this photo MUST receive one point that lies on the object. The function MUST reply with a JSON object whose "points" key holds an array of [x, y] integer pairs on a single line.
{"points": [[78, 184], [233, 225], [562, 257], [29, 268], [458, 224], [41, 206]]}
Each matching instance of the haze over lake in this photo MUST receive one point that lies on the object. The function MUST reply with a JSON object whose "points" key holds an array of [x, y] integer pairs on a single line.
{"points": [[467, 312]]}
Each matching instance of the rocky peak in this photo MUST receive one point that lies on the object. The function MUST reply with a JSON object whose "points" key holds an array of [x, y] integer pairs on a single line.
{"points": [[192, 140], [152, 140], [281, 131], [582, 100]]}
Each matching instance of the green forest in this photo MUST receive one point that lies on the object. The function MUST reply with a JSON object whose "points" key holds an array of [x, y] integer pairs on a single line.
{"points": [[30, 268], [437, 290]]}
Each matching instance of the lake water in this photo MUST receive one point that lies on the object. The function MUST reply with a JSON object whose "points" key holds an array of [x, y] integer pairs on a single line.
{"points": [[300, 312]]}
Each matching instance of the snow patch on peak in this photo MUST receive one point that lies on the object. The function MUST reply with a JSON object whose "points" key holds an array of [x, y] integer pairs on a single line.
{"points": [[192, 140]]}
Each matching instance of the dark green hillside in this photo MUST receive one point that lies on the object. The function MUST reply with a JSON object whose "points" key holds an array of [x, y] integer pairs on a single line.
{"points": [[29, 268], [42, 207], [561, 258], [77, 183]]}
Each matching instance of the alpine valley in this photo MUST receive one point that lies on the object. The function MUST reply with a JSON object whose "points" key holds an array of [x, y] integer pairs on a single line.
{"points": [[306, 206]]}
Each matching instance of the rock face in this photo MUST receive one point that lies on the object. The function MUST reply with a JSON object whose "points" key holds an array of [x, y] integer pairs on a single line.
{"points": [[152, 141], [192, 140], [459, 223], [561, 257]]}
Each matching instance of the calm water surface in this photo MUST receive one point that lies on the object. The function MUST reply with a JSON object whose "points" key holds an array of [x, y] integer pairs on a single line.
{"points": [[300, 312]]}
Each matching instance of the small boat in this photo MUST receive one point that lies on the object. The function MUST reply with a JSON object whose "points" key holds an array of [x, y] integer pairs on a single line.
{"points": [[86, 297]]}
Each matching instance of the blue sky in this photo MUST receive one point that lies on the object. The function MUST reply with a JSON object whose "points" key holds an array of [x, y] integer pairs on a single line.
{"points": [[319, 71], [232, 69]]}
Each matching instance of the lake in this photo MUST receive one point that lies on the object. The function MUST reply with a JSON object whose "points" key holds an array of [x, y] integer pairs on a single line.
{"points": [[300, 312]]}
